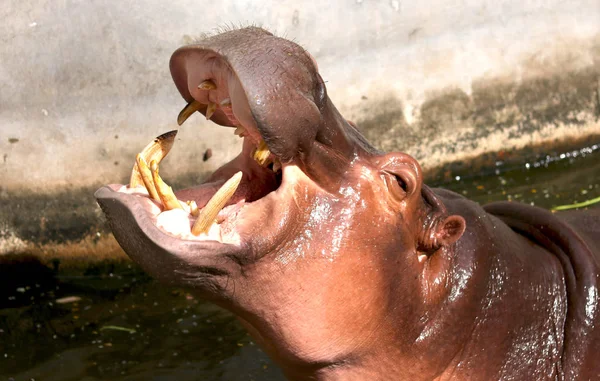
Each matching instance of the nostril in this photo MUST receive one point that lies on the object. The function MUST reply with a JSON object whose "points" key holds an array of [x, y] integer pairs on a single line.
{"points": [[320, 90]]}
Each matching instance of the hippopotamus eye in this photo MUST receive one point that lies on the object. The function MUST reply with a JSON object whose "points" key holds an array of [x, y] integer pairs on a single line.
{"points": [[396, 185], [400, 182]]}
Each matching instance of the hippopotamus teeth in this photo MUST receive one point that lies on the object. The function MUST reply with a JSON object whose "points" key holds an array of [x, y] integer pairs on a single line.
{"points": [[262, 154], [194, 211], [210, 110], [207, 85], [276, 165], [165, 192], [194, 105], [147, 176], [209, 213], [240, 131], [159, 191], [155, 151], [188, 110]]}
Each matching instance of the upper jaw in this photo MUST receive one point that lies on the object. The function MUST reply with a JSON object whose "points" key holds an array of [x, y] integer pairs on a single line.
{"points": [[271, 83], [271, 88]]}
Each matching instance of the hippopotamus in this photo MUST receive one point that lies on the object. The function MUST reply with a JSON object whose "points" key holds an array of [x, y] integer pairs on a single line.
{"points": [[336, 257]]}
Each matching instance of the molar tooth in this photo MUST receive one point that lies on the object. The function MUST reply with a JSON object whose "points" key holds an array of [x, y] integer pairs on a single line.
{"points": [[210, 110], [188, 110], [165, 193], [146, 175], [215, 204], [261, 154], [225, 102], [156, 150], [207, 85]]}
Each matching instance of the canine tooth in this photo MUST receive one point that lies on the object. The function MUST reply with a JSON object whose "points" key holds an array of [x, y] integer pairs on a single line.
{"points": [[225, 102], [156, 150], [207, 85], [165, 193], [261, 154], [240, 131], [215, 204], [188, 110], [146, 175], [210, 110], [276, 165]]}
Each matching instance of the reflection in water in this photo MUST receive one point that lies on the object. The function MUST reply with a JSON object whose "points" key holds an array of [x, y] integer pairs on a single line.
{"points": [[115, 323]]}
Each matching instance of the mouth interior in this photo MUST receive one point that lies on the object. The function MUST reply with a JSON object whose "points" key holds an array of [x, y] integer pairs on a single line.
{"points": [[262, 174]]}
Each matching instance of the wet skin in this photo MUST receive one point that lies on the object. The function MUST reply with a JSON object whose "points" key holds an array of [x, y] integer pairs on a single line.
{"points": [[345, 266]]}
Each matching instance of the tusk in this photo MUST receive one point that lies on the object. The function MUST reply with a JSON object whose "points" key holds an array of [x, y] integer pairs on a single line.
{"points": [[142, 165], [165, 193], [188, 110], [207, 85], [209, 213], [261, 154], [210, 110], [155, 151]]}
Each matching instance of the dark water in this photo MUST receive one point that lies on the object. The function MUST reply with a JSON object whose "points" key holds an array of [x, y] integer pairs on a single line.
{"points": [[547, 182], [118, 324]]}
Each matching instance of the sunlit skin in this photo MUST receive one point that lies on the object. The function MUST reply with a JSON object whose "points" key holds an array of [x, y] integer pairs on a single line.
{"points": [[336, 257]]}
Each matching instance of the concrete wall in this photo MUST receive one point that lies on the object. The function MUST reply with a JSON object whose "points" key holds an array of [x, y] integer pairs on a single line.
{"points": [[85, 85]]}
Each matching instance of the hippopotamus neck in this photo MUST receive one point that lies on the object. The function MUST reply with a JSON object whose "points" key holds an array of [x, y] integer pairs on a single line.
{"points": [[481, 292]]}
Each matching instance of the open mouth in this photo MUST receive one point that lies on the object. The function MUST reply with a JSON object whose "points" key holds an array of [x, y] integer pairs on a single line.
{"points": [[213, 210], [267, 90]]}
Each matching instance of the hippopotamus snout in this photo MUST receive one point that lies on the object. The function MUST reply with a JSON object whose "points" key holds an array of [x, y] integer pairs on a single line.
{"points": [[269, 89]]}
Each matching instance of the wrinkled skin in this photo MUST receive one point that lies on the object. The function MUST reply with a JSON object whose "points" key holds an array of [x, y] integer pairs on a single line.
{"points": [[353, 269]]}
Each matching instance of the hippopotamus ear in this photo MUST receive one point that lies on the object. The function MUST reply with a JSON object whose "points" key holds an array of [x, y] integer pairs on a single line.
{"points": [[450, 230], [439, 229]]}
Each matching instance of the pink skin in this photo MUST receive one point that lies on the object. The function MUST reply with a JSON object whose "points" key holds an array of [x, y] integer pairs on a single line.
{"points": [[347, 266]]}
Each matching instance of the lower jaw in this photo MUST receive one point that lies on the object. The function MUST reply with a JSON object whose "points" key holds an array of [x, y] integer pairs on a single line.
{"points": [[226, 229]]}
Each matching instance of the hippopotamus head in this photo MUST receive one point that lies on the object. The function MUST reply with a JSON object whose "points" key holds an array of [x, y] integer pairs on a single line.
{"points": [[326, 250]]}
